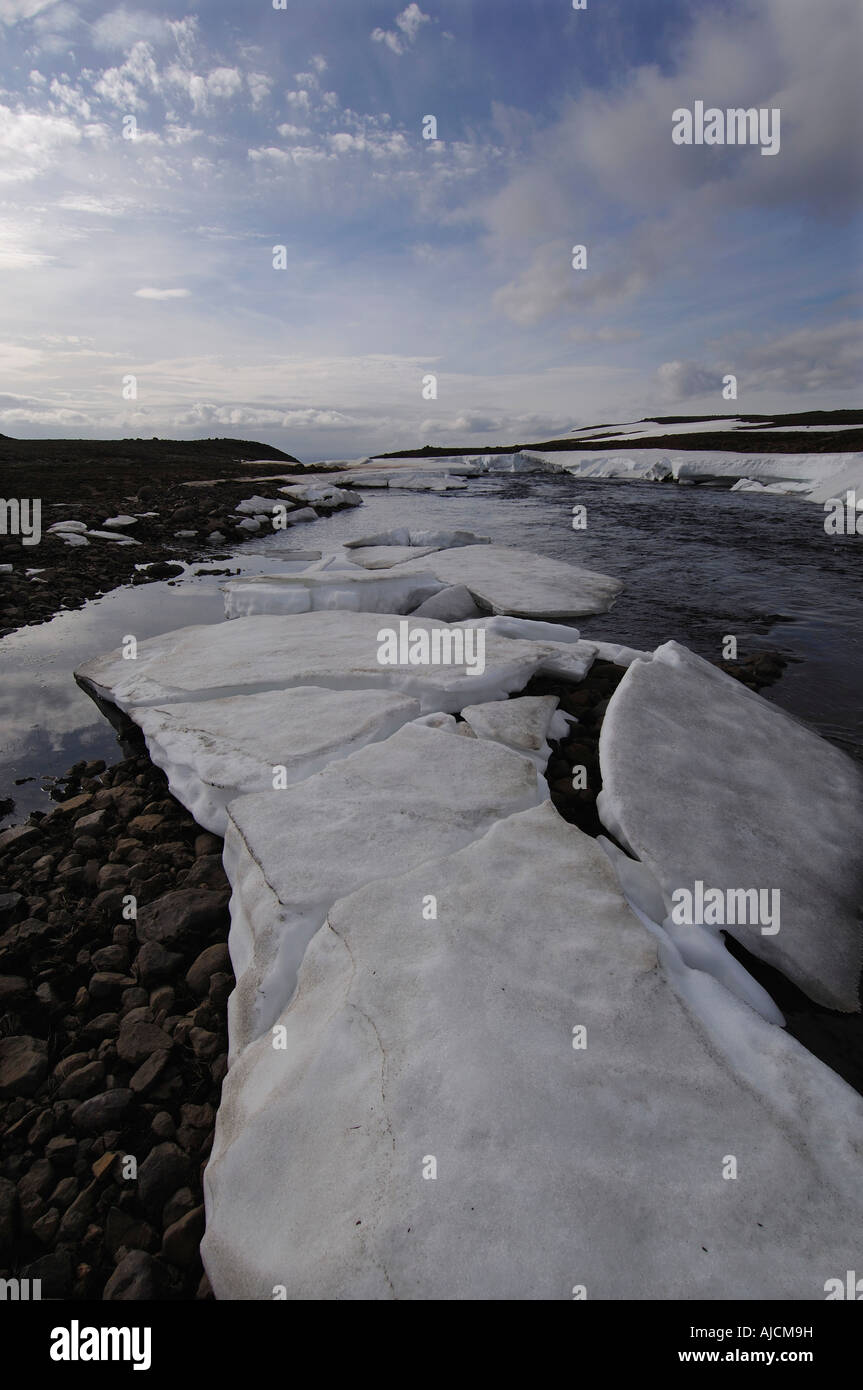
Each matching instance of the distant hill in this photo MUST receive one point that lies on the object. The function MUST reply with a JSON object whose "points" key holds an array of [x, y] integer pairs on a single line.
{"points": [[60, 469], [796, 437]]}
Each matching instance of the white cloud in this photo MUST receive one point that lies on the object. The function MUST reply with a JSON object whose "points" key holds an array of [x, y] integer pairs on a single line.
{"points": [[11, 11], [32, 143], [121, 28], [408, 25], [149, 293]]}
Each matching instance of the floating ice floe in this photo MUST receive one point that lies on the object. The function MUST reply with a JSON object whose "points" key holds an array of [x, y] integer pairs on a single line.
{"points": [[70, 527], [517, 582], [216, 750], [120, 521], [520, 1046], [322, 495], [357, 591], [739, 796]]}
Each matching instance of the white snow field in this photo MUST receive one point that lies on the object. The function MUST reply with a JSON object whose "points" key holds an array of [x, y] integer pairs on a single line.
{"points": [[815, 476], [413, 1042], [739, 796], [436, 974]]}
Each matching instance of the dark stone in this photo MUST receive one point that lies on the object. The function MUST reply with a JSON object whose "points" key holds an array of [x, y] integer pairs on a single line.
{"points": [[82, 1082], [8, 1214], [149, 1072], [139, 1038], [181, 1242], [213, 960], [55, 1272], [176, 916], [164, 1169], [23, 1065], [102, 1112], [134, 1279], [155, 963]]}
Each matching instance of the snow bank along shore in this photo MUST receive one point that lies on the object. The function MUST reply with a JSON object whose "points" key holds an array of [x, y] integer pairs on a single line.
{"points": [[476, 1052]]}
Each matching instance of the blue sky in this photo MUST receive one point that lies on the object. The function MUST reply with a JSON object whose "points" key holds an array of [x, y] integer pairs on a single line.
{"points": [[152, 257]]}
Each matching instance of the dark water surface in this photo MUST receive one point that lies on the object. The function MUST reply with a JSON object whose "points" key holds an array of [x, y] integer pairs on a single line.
{"points": [[698, 564]]}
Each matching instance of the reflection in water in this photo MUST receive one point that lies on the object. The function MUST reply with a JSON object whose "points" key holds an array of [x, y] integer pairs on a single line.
{"points": [[697, 563]]}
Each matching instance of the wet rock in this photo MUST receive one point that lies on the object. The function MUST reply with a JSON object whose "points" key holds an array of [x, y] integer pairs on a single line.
{"points": [[13, 990], [19, 837]]}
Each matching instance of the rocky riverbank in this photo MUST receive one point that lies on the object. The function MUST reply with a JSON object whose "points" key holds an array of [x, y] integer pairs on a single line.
{"points": [[113, 1040], [178, 518]]}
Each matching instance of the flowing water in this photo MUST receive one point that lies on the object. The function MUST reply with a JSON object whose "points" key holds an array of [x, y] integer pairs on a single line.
{"points": [[698, 564]]}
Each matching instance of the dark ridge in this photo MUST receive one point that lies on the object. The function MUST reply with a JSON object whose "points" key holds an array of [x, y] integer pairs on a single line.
{"points": [[757, 440]]}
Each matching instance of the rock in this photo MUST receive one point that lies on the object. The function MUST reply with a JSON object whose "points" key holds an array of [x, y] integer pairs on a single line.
{"points": [[23, 1065], [149, 1072], [61, 1151], [205, 845], [91, 824], [112, 876], [176, 916], [211, 960], [181, 1242], [112, 958], [134, 1279], [154, 963], [55, 1273], [205, 1044], [8, 1214], [145, 825], [13, 990], [139, 1038], [102, 1112], [121, 1230], [19, 837], [45, 1229], [164, 1169], [11, 902], [82, 1082], [102, 1026], [106, 983]]}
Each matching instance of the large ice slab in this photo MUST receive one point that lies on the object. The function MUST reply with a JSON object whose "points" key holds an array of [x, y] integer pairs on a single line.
{"points": [[706, 781], [351, 589], [430, 1131], [507, 580], [332, 649], [290, 854], [216, 750]]}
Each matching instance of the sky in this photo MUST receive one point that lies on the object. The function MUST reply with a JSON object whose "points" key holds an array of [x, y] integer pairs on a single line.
{"points": [[153, 156]]}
